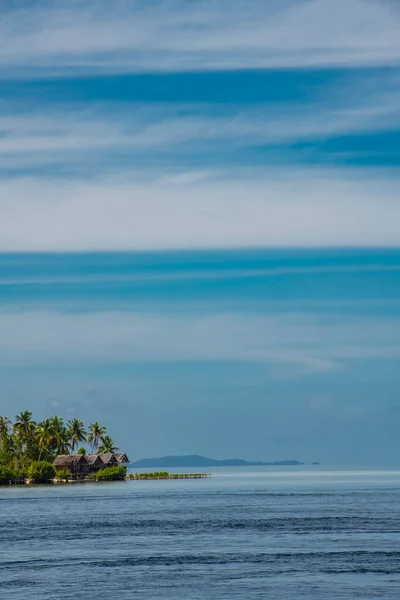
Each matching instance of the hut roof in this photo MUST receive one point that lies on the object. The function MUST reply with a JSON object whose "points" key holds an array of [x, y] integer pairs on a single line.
{"points": [[66, 460], [93, 458], [108, 458], [62, 460], [122, 458]]}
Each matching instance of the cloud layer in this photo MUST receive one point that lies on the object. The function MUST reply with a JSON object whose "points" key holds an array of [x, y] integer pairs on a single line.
{"points": [[168, 35], [88, 162], [287, 209], [44, 135], [315, 344]]}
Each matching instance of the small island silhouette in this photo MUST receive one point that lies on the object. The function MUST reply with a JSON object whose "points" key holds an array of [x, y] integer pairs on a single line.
{"points": [[195, 460]]}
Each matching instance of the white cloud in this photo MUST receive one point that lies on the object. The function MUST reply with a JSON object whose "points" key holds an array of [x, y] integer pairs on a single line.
{"points": [[316, 344], [161, 209], [283, 207], [168, 35], [148, 207]]}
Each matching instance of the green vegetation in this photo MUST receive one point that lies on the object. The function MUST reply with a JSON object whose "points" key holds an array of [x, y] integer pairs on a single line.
{"points": [[63, 475], [156, 475], [96, 434], [76, 432], [109, 474], [6, 475], [41, 472], [165, 475], [107, 445], [28, 448]]}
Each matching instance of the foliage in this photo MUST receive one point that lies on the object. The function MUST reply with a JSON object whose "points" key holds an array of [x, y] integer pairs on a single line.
{"points": [[109, 474], [41, 472], [28, 448], [9, 475], [7, 449], [20, 475], [53, 437], [96, 433], [165, 475], [156, 475], [5, 425], [64, 474], [24, 432], [6, 475], [76, 432], [107, 445]]}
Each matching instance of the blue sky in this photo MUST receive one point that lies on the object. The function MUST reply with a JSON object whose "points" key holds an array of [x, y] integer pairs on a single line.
{"points": [[260, 353], [197, 137]]}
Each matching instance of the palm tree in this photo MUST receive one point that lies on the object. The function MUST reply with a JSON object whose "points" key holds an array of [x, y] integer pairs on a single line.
{"points": [[6, 446], [59, 440], [77, 433], [5, 425], [96, 433], [24, 427], [45, 436], [107, 445], [22, 422], [63, 444], [58, 422]]}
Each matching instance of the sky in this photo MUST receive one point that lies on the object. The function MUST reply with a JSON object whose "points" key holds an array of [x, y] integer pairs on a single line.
{"points": [[199, 223]]}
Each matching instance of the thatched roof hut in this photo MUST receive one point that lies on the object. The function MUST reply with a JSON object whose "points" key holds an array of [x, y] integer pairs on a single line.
{"points": [[108, 459], [122, 458], [95, 462], [77, 464], [81, 464]]}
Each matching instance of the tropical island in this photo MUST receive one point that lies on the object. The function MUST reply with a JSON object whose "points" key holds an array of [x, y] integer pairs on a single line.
{"points": [[55, 450]]}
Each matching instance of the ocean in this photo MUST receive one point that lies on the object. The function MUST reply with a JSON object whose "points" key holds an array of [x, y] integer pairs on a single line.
{"points": [[289, 533]]}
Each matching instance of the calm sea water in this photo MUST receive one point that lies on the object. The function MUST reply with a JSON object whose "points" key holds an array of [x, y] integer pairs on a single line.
{"points": [[265, 533]]}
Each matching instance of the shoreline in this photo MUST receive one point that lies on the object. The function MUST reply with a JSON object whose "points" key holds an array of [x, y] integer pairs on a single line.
{"points": [[130, 477]]}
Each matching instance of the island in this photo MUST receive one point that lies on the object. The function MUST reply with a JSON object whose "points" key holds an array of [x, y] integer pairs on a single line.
{"points": [[195, 460], [55, 451]]}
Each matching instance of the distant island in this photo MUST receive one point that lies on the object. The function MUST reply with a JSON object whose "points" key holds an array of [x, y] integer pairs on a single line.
{"points": [[195, 460]]}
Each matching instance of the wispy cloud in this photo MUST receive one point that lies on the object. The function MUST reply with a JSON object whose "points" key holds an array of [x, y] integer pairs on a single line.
{"points": [[206, 275], [168, 35], [316, 344], [32, 137], [282, 207], [179, 174]]}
